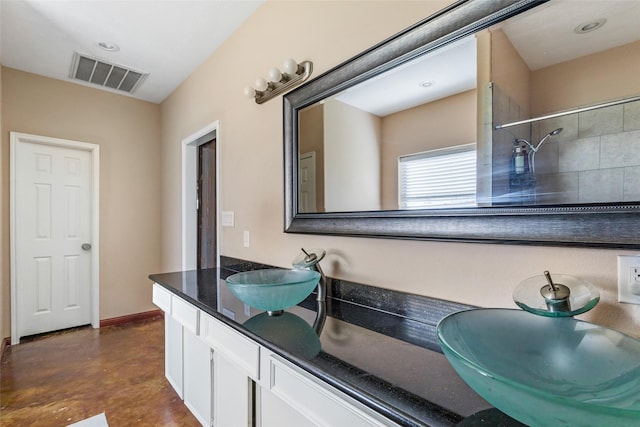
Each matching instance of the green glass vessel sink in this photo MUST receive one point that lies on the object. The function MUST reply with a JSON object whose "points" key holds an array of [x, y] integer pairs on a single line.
{"points": [[273, 289], [546, 371]]}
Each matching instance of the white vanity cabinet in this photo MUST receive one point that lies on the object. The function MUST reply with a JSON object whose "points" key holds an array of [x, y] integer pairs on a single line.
{"points": [[187, 357], [198, 375], [172, 339], [290, 396], [236, 364], [227, 379]]}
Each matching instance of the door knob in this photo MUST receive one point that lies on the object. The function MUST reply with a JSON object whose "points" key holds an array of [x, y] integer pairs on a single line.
{"points": [[86, 246]]}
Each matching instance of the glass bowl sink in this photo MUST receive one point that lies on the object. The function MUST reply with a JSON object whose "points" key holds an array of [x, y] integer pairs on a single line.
{"points": [[273, 289], [546, 371]]}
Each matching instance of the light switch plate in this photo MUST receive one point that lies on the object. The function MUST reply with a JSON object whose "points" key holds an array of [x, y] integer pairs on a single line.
{"points": [[227, 218], [629, 279]]}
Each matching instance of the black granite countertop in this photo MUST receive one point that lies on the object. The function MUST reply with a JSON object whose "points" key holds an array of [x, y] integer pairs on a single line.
{"points": [[375, 345]]}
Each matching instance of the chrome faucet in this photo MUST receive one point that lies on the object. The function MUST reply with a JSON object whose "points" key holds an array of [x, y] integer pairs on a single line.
{"points": [[310, 260], [555, 295]]}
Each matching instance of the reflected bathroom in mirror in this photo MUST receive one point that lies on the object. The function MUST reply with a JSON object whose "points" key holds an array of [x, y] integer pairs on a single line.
{"points": [[387, 143], [576, 90], [532, 106]]}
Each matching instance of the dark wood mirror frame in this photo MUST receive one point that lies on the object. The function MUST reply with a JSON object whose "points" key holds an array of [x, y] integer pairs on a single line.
{"points": [[613, 225]]}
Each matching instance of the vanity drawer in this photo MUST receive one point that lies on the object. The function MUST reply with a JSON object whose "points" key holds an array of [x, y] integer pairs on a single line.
{"points": [[234, 345], [318, 401], [185, 314], [162, 298]]}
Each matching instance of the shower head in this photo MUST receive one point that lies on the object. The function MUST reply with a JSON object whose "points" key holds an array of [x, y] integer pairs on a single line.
{"points": [[537, 147], [552, 133]]}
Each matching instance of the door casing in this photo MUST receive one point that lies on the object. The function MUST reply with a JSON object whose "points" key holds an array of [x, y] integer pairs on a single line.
{"points": [[17, 138], [190, 193], [307, 188]]}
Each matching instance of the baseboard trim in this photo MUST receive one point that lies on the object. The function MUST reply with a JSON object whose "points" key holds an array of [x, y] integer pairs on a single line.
{"points": [[6, 342], [147, 315]]}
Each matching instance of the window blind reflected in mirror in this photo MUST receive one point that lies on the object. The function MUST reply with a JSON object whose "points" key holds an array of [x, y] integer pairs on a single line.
{"points": [[438, 178]]}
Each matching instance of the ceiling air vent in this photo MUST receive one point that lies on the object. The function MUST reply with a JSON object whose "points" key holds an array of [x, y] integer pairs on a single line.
{"points": [[102, 73]]}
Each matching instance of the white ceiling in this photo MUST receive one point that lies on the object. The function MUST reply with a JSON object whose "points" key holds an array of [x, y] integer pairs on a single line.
{"points": [[166, 38], [552, 27], [448, 70], [170, 38]]}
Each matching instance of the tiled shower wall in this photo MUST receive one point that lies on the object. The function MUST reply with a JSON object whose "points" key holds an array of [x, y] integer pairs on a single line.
{"points": [[506, 110], [595, 159]]}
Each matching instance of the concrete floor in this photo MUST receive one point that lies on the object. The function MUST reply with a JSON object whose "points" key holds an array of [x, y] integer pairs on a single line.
{"points": [[64, 377]]}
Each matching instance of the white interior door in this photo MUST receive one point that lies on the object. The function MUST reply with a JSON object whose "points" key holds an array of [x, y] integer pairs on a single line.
{"points": [[53, 235], [307, 182]]}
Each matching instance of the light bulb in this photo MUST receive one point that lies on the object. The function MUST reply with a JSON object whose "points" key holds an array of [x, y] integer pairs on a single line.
{"points": [[275, 75], [261, 84], [290, 66], [249, 92]]}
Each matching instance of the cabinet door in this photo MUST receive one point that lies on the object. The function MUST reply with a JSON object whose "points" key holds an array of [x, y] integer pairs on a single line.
{"points": [[275, 412], [173, 353], [172, 339], [233, 393], [197, 377]]}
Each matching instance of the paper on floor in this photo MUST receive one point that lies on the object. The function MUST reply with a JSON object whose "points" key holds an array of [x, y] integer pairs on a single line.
{"points": [[99, 420]]}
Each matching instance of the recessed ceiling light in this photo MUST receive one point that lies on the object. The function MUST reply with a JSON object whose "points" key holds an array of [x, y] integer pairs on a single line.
{"points": [[109, 47], [587, 27], [426, 83]]}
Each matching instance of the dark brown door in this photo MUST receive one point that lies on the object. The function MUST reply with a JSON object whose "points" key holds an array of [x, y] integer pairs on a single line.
{"points": [[207, 205]]}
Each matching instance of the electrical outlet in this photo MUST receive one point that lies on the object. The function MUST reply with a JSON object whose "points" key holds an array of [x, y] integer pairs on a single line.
{"points": [[629, 278], [229, 313], [246, 239]]}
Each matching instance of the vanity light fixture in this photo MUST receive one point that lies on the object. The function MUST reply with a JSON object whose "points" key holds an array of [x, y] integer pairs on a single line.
{"points": [[292, 74]]}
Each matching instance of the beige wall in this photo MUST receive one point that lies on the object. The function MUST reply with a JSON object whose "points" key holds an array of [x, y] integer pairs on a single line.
{"points": [[509, 72], [443, 123], [251, 134], [140, 191], [587, 80], [252, 181], [311, 138], [128, 132], [352, 158]]}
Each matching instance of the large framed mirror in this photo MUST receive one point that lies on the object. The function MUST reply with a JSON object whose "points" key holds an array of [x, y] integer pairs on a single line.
{"points": [[513, 121]]}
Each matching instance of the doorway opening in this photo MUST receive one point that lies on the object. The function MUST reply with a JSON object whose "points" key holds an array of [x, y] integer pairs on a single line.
{"points": [[200, 233], [206, 204]]}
